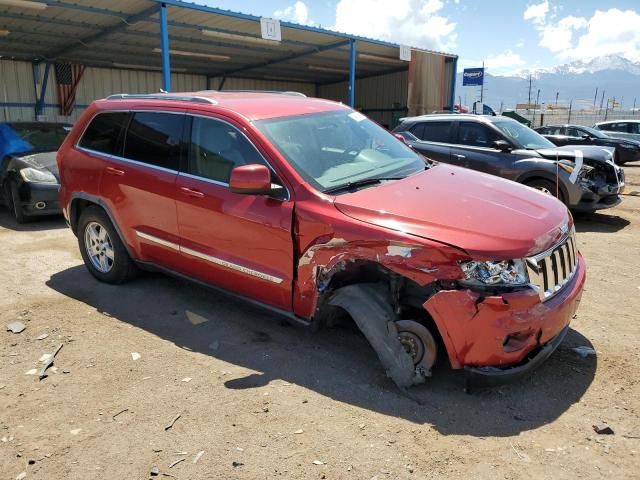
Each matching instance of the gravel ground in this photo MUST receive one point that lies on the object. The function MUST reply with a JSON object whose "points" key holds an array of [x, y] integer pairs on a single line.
{"points": [[263, 399]]}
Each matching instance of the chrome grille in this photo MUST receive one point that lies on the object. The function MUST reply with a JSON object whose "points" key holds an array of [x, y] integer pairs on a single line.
{"points": [[553, 269]]}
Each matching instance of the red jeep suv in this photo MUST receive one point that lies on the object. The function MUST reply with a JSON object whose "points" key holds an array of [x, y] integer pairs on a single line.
{"points": [[307, 207]]}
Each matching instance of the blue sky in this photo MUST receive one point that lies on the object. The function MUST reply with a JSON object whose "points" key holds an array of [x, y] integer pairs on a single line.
{"points": [[510, 35]]}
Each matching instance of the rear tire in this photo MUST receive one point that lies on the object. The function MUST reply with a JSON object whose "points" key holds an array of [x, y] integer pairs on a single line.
{"points": [[545, 186], [101, 248], [14, 203]]}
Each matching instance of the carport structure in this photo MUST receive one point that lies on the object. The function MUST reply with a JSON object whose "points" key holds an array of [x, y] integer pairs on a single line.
{"points": [[225, 49]]}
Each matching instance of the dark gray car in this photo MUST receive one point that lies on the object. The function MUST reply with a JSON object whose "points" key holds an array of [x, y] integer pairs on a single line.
{"points": [[585, 178]]}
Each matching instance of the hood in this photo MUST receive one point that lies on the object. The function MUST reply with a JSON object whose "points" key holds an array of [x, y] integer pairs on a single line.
{"points": [[489, 217], [41, 161], [590, 152]]}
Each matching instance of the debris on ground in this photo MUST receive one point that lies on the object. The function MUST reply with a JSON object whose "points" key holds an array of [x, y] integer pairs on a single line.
{"points": [[297, 432], [173, 464], [16, 327], [113, 417], [236, 464], [43, 371], [186, 379], [603, 429], [584, 351], [42, 337], [155, 471], [75, 431], [198, 456], [170, 424], [22, 476], [135, 356], [318, 462]]}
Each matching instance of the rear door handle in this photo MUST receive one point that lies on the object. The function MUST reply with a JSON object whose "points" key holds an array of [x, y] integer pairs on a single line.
{"points": [[459, 157], [191, 192], [115, 171]]}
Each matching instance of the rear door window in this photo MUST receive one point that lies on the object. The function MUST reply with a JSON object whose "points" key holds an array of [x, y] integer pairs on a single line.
{"points": [[476, 135], [433, 131], [617, 127], [634, 127], [217, 148], [574, 132], [155, 138], [103, 133]]}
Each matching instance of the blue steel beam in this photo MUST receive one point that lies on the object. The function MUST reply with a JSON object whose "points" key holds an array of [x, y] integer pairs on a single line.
{"points": [[295, 26], [121, 25], [288, 58], [164, 47], [43, 90], [352, 73]]}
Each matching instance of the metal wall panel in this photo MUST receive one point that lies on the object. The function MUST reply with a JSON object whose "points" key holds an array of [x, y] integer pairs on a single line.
{"points": [[376, 96], [18, 98], [253, 84]]}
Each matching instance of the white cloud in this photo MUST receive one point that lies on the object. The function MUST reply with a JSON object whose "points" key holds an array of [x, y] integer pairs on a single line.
{"points": [[418, 23], [558, 37], [298, 13], [607, 32], [537, 12]]}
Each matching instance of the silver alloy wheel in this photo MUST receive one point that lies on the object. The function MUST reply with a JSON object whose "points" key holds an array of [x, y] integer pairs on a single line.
{"points": [[98, 246], [544, 190]]}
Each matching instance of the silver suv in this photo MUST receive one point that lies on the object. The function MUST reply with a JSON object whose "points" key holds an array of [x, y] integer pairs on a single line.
{"points": [[585, 178], [620, 128]]}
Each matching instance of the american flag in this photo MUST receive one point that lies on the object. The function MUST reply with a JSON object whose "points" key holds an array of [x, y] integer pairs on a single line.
{"points": [[67, 78]]}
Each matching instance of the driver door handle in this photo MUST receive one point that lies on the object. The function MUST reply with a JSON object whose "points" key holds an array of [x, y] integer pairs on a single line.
{"points": [[191, 192], [459, 157], [115, 171]]}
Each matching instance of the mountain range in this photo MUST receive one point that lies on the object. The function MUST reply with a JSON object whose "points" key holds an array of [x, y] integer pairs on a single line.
{"points": [[577, 81]]}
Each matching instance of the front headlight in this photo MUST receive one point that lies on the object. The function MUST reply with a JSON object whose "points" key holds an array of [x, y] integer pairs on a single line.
{"points": [[504, 272], [33, 175]]}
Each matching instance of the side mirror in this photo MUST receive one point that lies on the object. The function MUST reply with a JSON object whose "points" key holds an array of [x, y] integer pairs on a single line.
{"points": [[587, 137], [502, 145], [400, 137], [251, 180]]}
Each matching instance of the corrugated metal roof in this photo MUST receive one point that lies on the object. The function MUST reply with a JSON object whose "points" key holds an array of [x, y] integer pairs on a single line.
{"points": [[117, 33]]}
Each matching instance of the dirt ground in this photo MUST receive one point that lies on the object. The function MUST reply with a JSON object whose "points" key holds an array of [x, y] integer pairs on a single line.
{"points": [[263, 399]]}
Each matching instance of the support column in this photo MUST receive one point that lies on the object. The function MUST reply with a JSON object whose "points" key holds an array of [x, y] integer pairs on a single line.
{"points": [[352, 73], [164, 48], [453, 84]]}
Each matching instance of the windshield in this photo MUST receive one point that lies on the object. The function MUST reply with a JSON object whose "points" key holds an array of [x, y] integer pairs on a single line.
{"points": [[522, 136], [594, 133], [334, 149]]}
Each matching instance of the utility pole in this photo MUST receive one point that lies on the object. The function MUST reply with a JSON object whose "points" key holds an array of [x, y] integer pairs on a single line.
{"points": [[570, 106], [601, 102], [595, 98], [529, 100], [558, 93], [633, 110], [482, 87]]}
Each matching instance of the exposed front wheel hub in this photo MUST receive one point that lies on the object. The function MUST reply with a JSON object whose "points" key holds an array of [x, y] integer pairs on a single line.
{"points": [[418, 343]]}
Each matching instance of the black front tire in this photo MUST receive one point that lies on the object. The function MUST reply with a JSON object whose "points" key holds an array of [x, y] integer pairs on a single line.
{"points": [[123, 267], [14, 202], [547, 187]]}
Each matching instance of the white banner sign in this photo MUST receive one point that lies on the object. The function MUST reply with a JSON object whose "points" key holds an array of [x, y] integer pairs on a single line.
{"points": [[270, 29], [405, 53]]}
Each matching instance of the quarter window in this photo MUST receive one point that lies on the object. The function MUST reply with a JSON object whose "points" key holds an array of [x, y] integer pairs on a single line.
{"points": [[155, 138], [476, 135], [574, 132], [103, 133], [217, 147]]}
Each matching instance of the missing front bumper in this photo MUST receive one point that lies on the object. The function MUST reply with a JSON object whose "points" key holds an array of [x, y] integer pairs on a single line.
{"points": [[491, 376]]}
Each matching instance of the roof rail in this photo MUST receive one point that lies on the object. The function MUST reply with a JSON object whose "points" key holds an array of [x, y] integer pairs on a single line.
{"points": [[161, 96], [277, 92]]}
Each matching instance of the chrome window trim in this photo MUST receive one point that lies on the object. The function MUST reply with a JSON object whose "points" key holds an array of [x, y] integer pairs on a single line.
{"points": [[253, 145], [168, 170], [209, 258], [126, 160]]}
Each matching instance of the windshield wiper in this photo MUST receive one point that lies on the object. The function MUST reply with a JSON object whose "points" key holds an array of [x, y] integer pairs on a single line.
{"points": [[352, 186]]}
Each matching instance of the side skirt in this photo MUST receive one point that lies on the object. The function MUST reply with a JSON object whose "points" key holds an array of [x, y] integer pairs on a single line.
{"points": [[290, 317]]}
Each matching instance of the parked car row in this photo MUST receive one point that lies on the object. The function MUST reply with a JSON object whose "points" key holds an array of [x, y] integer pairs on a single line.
{"points": [[626, 150], [311, 210]]}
